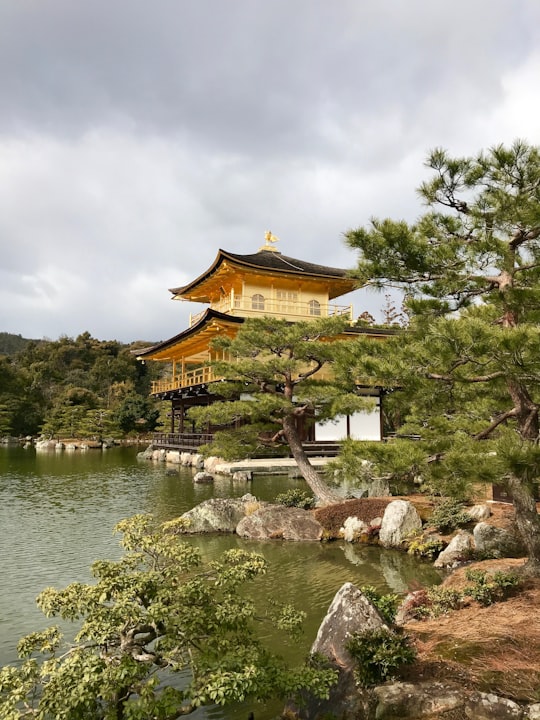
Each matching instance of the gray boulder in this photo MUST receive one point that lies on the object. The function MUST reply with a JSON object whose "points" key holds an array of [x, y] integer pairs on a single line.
{"points": [[350, 612], [491, 541], [353, 528], [479, 512], [217, 514], [400, 519], [203, 478], [276, 522], [487, 706], [428, 699], [242, 476], [459, 549], [437, 700]]}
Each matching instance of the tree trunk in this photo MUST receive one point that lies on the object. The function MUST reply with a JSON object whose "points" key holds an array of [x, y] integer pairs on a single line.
{"points": [[527, 521], [527, 517], [325, 494]]}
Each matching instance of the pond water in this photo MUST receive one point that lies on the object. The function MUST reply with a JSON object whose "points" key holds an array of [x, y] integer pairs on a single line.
{"points": [[58, 509]]}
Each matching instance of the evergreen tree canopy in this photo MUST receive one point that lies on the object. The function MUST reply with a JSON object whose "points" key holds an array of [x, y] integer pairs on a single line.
{"points": [[273, 382], [79, 387], [466, 372]]}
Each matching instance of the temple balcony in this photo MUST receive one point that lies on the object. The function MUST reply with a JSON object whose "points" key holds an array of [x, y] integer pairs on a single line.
{"points": [[257, 305], [191, 378], [204, 375]]}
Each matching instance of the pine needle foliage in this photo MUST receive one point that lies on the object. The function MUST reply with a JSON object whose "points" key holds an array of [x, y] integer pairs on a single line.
{"points": [[465, 373]]}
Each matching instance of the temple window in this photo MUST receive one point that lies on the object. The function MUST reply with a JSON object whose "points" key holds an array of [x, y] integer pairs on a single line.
{"points": [[314, 307], [257, 302]]}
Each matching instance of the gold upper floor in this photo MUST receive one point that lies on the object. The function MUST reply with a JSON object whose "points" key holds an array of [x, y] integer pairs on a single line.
{"points": [[289, 304]]}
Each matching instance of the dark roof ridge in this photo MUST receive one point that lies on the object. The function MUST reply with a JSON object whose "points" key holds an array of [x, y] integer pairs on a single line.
{"points": [[273, 260], [267, 260]]}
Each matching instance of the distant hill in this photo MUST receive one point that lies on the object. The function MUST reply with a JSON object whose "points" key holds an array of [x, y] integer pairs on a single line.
{"points": [[11, 344]]}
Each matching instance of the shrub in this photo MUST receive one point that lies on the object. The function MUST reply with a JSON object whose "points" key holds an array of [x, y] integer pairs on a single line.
{"points": [[424, 546], [386, 604], [488, 589], [296, 498], [449, 515], [434, 602], [379, 654]]}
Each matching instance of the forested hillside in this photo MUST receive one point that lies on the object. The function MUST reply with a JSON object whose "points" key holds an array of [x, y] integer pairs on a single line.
{"points": [[79, 387], [11, 344]]}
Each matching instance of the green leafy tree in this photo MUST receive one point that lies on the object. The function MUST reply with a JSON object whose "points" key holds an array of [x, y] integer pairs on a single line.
{"points": [[67, 418], [20, 412], [469, 364], [136, 413], [42, 382], [161, 634], [272, 386]]}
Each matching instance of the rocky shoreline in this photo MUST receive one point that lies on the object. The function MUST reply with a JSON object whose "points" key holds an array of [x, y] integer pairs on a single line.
{"points": [[390, 522]]}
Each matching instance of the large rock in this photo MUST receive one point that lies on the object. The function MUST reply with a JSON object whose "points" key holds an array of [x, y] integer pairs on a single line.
{"points": [[276, 522], [479, 512], [400, 519], [428, 699], [491, 541], [459, 549], [350, 612], [487, 706], [242, 476], [353, 528], [218, 514], [203, 477]]}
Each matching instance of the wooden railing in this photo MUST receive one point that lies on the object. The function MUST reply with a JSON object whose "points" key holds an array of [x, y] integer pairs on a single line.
{"points": [[199, 376], [180, 441], [187, 442], [243, 306]]}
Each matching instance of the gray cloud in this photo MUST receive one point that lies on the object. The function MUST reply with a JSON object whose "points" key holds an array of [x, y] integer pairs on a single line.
{"points": [[137, 138]]}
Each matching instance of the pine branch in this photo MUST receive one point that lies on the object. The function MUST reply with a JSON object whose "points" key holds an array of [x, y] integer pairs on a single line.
{"points": [[470, 380], [487, 432]]}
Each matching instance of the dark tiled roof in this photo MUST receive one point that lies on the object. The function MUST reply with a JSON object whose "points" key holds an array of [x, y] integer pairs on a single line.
{"points": [[276, 261], [268, 260]]}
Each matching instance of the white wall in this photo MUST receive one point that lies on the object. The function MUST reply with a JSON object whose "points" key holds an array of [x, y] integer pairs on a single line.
{"points": [[363, 426]]}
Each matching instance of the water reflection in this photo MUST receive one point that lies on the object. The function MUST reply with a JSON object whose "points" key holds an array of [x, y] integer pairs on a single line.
{"points": [[57, 511]]}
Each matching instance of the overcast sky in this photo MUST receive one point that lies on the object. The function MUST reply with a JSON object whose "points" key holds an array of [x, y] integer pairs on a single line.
{"points": [[138, 137]]}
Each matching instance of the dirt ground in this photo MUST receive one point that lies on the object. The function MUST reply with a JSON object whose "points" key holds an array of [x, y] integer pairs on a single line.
{"points": [[493, 649]]}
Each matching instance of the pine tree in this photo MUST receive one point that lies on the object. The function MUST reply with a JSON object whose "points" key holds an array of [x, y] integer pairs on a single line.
{"points": [[272, 385], [469, 365]]}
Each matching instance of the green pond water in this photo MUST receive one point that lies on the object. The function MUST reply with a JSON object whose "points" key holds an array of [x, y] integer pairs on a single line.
{"points": [[58, 509]]}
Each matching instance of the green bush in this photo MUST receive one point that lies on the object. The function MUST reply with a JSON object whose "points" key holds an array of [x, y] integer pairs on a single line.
{"points": [[435, 601], [426, 547], [488, 589], [379, 654], [386, 604], [449, 515], [296, 498], [485, 589]]}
